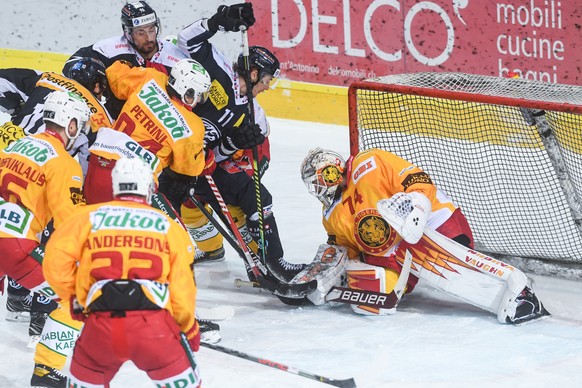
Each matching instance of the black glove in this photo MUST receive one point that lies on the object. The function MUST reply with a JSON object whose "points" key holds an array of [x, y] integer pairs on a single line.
{"points": [[232, 18], [243, 137], [176, 187]]}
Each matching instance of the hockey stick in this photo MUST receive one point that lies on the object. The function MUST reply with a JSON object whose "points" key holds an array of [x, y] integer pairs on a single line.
{"points": [[251, 112], [259, 271], [371, 298], [226, 234], [347, 383]]}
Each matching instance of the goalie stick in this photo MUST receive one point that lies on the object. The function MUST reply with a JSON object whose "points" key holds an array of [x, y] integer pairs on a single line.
{"points": [[346, 383], [372, 298], [256, 267]]}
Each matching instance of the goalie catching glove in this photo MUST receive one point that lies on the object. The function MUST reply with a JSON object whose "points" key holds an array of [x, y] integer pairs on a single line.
{"points": [[407, 213]]}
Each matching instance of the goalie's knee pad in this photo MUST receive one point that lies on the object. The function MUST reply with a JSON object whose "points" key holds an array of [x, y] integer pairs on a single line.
{"points": [[367, 277]]}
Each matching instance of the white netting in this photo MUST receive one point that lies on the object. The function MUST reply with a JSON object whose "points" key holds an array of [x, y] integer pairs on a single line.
{"points": [[470, 134]]}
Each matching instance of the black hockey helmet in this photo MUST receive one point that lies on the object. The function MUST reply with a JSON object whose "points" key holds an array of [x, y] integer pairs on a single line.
{"points": [[88, 71], [137, 14], [261, 59]]}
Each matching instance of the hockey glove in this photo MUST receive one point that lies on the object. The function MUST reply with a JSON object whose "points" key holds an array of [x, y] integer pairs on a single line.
{"points": [[232, 18], [209, 163], [407, 213], [76, 310], [193, 336], [242, 138], [176, 187]]}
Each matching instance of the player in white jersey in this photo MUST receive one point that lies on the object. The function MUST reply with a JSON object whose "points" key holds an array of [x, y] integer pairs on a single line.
{"points": [[139, 44]]}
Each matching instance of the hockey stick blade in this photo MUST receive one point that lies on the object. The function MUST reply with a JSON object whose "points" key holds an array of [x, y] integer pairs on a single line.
{"points": [[298, 290], [218, 313], [346, 383], [372, 298]]}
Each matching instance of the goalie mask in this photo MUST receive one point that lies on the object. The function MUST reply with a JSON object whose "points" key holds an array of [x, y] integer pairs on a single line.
{"points": [[132, 176], [322, 172]]}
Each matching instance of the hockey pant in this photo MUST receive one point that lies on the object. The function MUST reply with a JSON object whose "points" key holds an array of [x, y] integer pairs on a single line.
{"points": [[58, 337], [138, 337], [380, 273], [238, 190], [204, 233], [98, 186], [19, 262]]}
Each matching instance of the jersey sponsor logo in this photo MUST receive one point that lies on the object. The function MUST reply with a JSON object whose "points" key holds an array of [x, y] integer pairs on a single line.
{"points": [[58, 82], [10, 133], [211, 131], [417, 177], [147, 19], [218, 95], [77, 196], [363, 168], [143, 154], [14, 220], [59, 337], [161, 106], [372, 232], [36, 150], [113, 217]]}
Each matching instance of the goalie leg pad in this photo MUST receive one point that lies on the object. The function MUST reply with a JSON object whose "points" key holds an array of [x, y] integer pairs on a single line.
{"points": [[328, 268], [367, 277]]}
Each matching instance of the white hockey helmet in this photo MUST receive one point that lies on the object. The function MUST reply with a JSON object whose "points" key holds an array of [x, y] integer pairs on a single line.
{"points": [[61, 107], [322, 172], [132, 176], [189, 79]]}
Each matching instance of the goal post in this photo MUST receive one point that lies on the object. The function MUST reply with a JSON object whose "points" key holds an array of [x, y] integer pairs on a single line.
{"points": [[508, 151]]}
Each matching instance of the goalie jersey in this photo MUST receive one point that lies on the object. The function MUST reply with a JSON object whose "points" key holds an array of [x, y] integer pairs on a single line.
{"points": [[353, 221]]}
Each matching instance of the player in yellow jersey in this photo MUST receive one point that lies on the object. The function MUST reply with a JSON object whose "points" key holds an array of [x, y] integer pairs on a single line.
{"points": [[350, 191], [40, 181], [127, 269], [158, 118]]}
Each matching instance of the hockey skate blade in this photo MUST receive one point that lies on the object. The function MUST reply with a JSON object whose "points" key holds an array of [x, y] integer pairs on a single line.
{"points": [[210, 337], [538, 317], [17, 316]]}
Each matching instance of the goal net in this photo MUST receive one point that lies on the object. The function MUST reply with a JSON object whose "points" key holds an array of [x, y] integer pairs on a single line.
{"points": [[508, 151]]}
